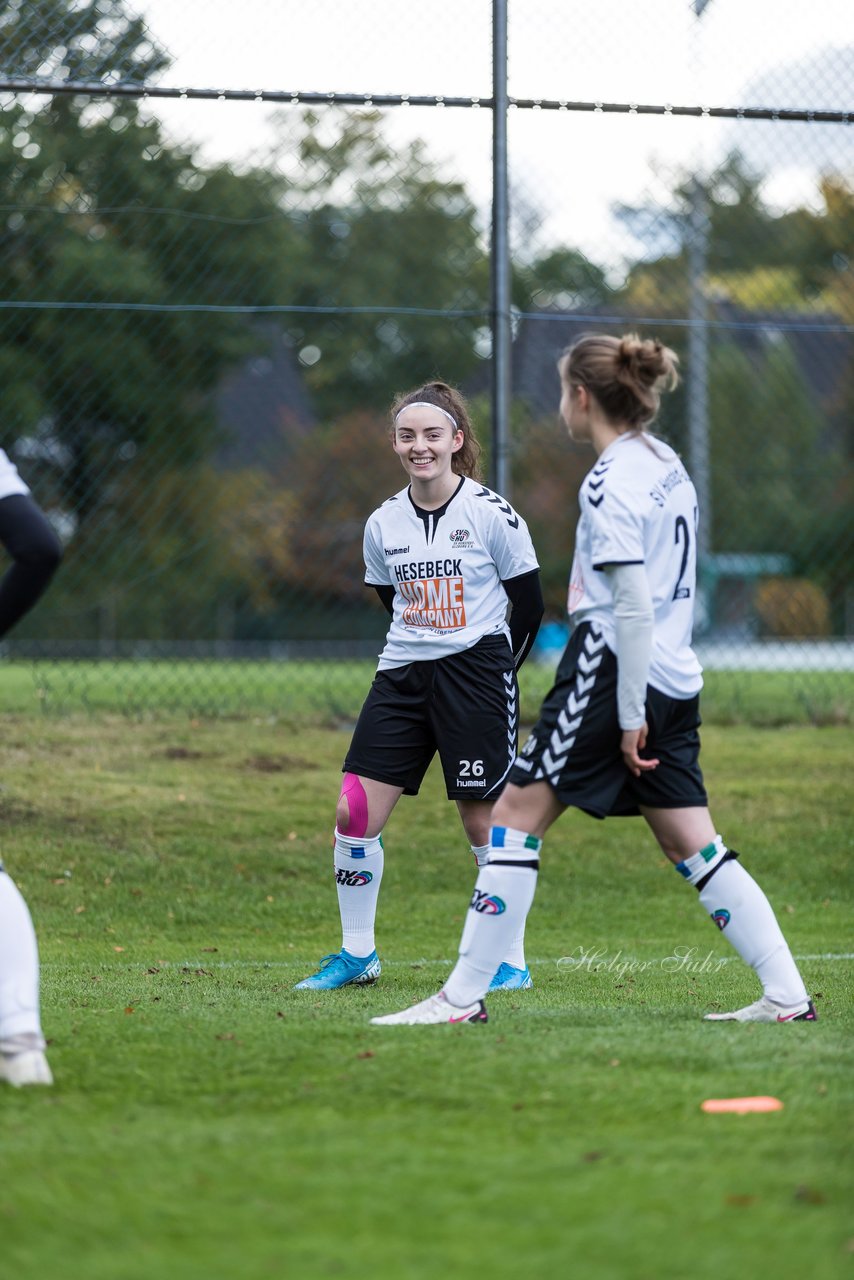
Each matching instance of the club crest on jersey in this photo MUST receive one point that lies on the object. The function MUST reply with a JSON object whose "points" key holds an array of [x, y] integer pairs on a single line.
{"points": [[487, 904], [461, 538], [721, 917], [353, 879]]}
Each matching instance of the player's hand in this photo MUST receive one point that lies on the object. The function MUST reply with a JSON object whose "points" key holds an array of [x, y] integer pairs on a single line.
{"points": [[633, 742]]}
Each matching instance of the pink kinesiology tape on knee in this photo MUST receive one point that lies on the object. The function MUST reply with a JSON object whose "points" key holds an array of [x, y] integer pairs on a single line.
{"points": [[357, 804]]}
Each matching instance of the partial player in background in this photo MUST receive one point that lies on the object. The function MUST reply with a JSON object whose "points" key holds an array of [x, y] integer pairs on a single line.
{"points": [[35, 551], [447, 557], [618, 733]]}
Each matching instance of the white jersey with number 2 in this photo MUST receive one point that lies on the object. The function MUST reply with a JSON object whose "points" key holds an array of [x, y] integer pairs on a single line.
{"points": [[639, 506], [446, 567]]}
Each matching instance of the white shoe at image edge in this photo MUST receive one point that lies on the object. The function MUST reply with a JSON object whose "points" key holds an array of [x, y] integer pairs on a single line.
{"points": [[27, 1067], [434, 1009], [764, 1010]]}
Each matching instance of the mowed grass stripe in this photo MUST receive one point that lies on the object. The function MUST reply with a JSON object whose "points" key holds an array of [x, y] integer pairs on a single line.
{"points": [[330, 691]]}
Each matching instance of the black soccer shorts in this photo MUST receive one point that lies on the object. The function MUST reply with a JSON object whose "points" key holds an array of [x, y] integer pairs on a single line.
{"points": [[464, 706], [575, 744]]}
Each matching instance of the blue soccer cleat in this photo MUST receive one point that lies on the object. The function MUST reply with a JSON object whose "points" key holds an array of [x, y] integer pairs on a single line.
{"points": [[509, 978], [340, 969]]}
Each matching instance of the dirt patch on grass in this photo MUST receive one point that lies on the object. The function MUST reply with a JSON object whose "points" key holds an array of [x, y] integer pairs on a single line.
{"points": [[12, 810], [278, 764]]}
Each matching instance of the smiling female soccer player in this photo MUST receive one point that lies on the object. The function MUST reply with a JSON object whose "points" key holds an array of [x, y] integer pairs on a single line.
{"points": [[618, 734], [447, 557]]}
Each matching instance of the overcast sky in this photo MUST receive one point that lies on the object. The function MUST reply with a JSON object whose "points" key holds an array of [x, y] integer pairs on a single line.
{"points": [[570, 167]]}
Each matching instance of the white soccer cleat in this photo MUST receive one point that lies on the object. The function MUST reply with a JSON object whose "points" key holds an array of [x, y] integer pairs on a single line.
{"points": [[27, 1067], [764, 1010], [433, 1010]]}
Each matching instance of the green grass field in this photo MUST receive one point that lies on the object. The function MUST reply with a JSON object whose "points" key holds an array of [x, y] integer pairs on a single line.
{"points": [[207, 1121], [329, 692]]}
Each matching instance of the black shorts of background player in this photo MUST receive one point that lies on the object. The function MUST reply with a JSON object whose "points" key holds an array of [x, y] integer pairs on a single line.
{"points": [[618, 734], [448, 557], [35, 552]]}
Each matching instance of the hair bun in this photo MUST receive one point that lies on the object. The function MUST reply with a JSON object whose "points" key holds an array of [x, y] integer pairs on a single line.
{"points": [[626, 375], [645, 358]]}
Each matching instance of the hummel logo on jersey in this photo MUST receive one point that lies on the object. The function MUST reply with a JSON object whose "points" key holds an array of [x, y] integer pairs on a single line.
{"points": [[396, 551], [487, 904], [523, 760], [569, 719], [593, 485], [503, 507], [592, 652], [512, 714], [354, 879]]}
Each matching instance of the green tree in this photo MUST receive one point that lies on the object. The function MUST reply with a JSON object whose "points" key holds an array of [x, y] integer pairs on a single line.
{"points": [[385, 229], [110, 400], [562, 279], [547, 473], [105, 213], [757, 257], [336, 478], [96, 41], [771, 477]]}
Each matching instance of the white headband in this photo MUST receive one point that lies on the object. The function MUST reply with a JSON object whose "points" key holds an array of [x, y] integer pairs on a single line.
{"points": [[425, 404]]}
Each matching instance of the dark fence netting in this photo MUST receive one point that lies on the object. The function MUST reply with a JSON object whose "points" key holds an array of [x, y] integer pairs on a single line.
{"points": [[228, 238]]}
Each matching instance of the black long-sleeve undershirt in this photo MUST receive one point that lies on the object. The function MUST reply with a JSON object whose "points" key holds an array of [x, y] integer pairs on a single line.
{"points": [[386, 594], [36, 551], [526, 613], [526, 610]]}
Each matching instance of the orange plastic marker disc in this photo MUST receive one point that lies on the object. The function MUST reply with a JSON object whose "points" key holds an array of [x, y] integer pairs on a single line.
{"points": [[741, 1105]]}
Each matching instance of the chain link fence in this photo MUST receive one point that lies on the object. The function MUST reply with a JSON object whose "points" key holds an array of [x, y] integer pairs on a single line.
{"points": [[229, 238]]}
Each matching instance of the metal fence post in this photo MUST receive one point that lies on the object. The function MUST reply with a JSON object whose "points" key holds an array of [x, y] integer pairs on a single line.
{"points": [[500, 257], [698, 367]]}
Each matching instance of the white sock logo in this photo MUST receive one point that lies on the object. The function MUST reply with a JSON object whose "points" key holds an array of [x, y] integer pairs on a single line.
{"points": [[487, 904]]}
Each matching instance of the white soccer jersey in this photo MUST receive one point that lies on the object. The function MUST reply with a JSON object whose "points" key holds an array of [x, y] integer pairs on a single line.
{"points": [[446, 567], [10, 482], [639, 506]]}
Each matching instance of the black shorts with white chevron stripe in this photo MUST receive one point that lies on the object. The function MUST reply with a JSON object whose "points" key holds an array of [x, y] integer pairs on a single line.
{"points": [[465, 706], [575, 744]]}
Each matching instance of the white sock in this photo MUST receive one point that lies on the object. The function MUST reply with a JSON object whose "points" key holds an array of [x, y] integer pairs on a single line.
{"points": [[516, 951], [481, 854], [744, 915], [497, 912], [702, 864], [19, 966], [358, 874]]}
